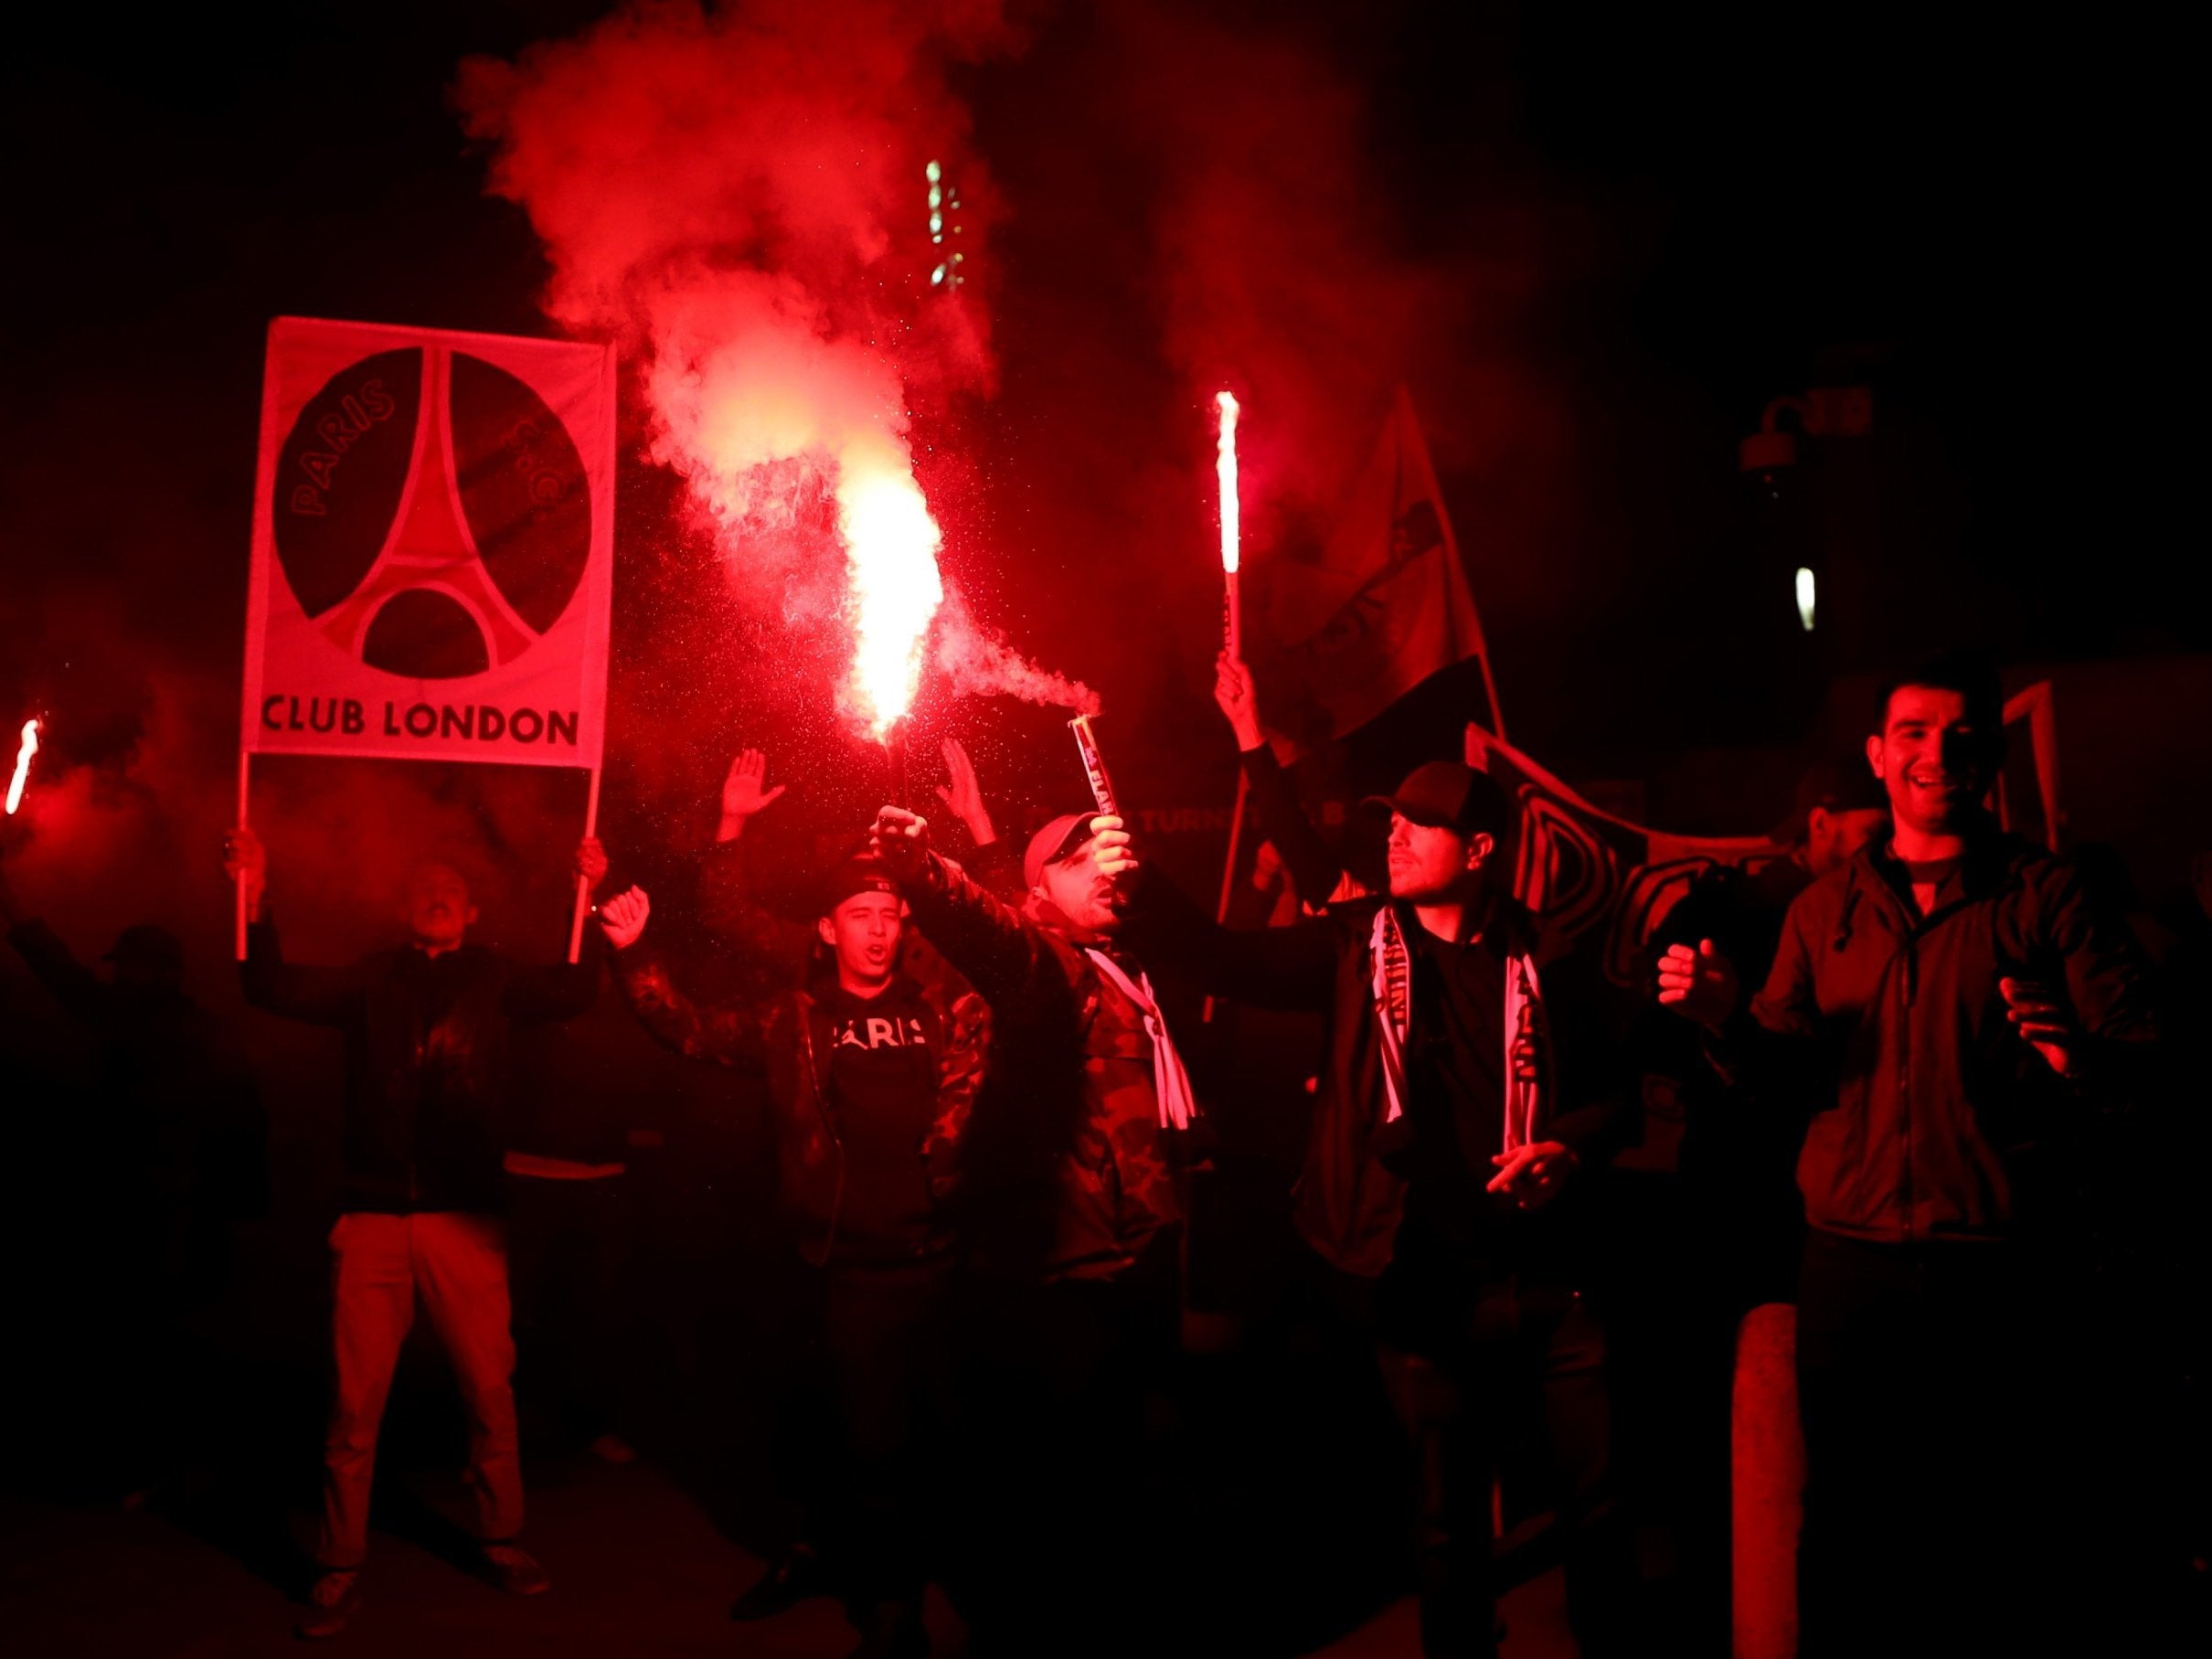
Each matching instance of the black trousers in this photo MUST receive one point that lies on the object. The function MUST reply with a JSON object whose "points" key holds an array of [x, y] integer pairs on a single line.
{"points": [[1936, 1453], [887, 1343], [1064, 1538], [1471, 1364]]}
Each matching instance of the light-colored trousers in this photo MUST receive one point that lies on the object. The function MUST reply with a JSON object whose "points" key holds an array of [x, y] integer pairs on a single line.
{"points": [[456, 1264]]}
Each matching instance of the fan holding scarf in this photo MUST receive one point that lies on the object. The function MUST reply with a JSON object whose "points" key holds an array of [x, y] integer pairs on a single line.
{"points": [[1457, 1112]]}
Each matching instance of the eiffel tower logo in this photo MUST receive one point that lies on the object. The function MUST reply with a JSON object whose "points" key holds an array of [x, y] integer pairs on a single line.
{"points": [[485, 542]]}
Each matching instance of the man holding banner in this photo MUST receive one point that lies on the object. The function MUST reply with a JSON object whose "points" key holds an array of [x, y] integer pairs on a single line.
{"points": [[431, 563], [434, 539], [427, 1029]]}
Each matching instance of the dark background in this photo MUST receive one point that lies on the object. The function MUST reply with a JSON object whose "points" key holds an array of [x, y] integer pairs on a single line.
{"points": [[1594, 241], [1669, 220]]}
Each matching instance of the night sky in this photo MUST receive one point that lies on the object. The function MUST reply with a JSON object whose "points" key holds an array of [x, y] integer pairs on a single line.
{"points": [[1666, 220]]}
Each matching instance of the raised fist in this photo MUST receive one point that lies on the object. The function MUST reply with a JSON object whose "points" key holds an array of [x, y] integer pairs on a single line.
{"points": [[623, 918], [902, 839], [1239, 703]]}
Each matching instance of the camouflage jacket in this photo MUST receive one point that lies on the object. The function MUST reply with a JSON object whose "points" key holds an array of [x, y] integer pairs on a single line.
{"points": [[786, 1039], [1069, 1174]]}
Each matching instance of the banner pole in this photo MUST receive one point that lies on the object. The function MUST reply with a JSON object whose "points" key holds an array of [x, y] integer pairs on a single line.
{"points": [[245, 764], [583, 887], [1229, 872]]}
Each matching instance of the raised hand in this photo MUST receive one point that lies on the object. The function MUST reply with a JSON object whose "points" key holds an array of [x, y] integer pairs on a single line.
{"points": [[963, 796], [1109, 847], [1532, 1174], [902, 839], [591, 862], [246, 862], [1699, 985], [743, 794], [2045, 1021], [623, 918], [1237, 700]]}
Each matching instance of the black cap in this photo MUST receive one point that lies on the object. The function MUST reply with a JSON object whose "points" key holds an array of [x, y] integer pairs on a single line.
{"points": [[854, 875], [1450, 795], [147, 949]]}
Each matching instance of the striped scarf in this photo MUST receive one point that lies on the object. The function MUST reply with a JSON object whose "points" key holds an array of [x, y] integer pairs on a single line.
{"points": [[1391, 979], [1170, 1082]]}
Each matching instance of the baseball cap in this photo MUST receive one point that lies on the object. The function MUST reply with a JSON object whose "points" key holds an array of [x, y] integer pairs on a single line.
{"points": [[1450, 794], [1054, 843], [856, 875]]}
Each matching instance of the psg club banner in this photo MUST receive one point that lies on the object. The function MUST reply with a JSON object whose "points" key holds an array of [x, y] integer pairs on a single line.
{"points": [[1581, 871], [433, 537]]}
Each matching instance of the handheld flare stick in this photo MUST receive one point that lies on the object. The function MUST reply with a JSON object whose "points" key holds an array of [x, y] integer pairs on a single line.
{"points": [[24, 752], [1094, 765], [895, 748], [1224, 472]]}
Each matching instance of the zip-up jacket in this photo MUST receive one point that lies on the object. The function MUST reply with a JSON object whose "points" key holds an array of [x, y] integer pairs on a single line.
{"points": [[787, 1040], [1069, 1176], [1931, 1116], [426, 1048], [1348, 1205]]}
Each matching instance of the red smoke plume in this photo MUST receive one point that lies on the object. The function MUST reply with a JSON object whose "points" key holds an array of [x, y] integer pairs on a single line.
{"points": [[742, 197]]}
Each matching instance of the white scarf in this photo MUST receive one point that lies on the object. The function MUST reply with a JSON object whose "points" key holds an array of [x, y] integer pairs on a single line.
{"points": [[1170, 1082], [1392, 980]]}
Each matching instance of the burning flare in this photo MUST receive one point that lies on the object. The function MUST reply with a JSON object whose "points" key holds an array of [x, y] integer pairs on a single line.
{"points": [[24, 752], [890, 549], [1225, 470]]}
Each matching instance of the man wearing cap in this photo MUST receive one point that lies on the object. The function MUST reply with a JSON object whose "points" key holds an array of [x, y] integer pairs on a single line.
{"points": [[1452, 1128], [428, 1031], [1071, 1222], [872, 1073]]}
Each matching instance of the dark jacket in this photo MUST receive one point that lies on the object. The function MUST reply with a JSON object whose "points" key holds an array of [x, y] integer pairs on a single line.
{"points": [[1931, 1112], [1068, 1169], [786, 1040], [426, 1037], [1347, 1206]]}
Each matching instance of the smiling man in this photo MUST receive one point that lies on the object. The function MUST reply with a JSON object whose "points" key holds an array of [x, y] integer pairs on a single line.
{"points": [[1959, 1018]]}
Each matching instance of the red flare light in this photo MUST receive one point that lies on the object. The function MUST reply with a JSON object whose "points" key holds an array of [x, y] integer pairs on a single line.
{"points": [[890, 545], [24, 752], [1224, 469]]}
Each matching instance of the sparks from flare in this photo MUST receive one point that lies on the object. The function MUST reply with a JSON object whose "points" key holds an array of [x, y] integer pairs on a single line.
{"points": [[24, 752], [890, 547]]}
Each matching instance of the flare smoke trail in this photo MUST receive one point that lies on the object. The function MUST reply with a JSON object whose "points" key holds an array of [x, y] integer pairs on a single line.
{"points": [[738, 196]]}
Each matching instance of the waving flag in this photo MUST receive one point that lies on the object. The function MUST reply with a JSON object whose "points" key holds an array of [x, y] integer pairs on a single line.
{"points": [[1384, 605]]}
